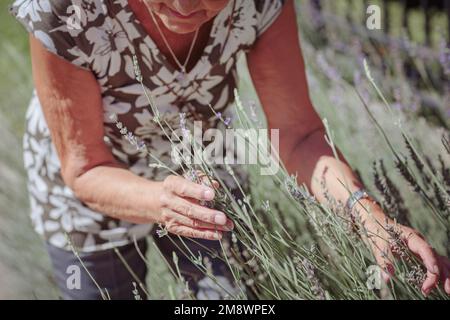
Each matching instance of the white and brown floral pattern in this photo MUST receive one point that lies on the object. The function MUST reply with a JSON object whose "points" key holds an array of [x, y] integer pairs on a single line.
{"points": [[108, 34]]}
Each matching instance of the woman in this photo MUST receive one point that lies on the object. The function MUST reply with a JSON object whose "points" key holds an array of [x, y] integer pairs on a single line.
{"points": [[86, 181]]}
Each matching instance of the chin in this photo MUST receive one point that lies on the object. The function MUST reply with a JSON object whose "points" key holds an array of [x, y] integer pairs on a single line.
{"points": [[181, 27]]}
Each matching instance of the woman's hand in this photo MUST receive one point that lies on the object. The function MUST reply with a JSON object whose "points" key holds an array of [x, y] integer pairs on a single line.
{"points": [[400, 238], [182, 214]]}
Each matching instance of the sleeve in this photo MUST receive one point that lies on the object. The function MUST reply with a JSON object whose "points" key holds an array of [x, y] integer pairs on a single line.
{"points": [[55, 25], [267, 11]]}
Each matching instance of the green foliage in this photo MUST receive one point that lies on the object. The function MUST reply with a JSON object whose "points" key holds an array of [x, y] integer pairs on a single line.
{"points": [[295, 248]]}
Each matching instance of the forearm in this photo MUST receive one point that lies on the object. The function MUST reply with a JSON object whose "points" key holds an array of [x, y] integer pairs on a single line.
{"points": [[119, 193], [313, 161]]}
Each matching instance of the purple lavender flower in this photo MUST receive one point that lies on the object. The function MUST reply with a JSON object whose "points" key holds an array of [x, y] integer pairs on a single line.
{"points": [[162, 231], [444, 57], [192, 175], [141, 145], [253, 114], [227, 121], [331, 72], [132, 139], [184, 130], [137, 70]]}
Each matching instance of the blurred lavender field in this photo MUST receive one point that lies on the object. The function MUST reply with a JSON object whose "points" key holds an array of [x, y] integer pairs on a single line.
{"points": [[23, 263], [411, 67]]}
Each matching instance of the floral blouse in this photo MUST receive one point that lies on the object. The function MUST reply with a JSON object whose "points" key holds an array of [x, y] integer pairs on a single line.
{"points": [[101, 36]]}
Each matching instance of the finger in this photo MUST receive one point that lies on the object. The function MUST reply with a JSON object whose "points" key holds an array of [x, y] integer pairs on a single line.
{"points": [[446, 274], [430, 283], [419, 246], [188, 189], [447, 286], [446, 280], [177, 218], [206, 180], [388, 271], [194, 233], [197, 212], [216, 184]]}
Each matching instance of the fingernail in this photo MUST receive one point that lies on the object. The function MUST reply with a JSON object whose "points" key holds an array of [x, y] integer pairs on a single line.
{"points": [[208, 194], [220, 219], [389, 269], [435, 269], [447, 286]]}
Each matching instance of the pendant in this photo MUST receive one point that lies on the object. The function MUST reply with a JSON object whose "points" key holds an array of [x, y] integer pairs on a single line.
{"points": [[183, 78]]}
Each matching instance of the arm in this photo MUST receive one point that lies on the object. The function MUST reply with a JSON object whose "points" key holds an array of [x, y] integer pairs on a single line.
{"points": [[283, 84], [278, 72], [72, 106]]}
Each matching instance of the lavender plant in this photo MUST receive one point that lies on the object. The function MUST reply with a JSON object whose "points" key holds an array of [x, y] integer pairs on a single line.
{"points": [[285, 244], [264, 253]]}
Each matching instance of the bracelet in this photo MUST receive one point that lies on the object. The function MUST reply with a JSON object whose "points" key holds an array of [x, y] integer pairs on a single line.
{"points": [[355, 197]]}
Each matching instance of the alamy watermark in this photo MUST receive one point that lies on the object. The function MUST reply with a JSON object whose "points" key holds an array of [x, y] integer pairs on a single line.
{"points": [[227, 147], [373, 274], [75, 17], [73, 281], [373, 21]]}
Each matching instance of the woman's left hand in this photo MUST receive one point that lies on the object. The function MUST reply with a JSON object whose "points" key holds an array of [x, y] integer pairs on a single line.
{"points": [[437, 266]]}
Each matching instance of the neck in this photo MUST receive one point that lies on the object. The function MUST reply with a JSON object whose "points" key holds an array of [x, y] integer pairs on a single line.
{"points": [[179, 43]]}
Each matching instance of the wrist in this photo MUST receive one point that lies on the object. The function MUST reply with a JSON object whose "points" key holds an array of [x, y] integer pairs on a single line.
{"points": [[153, 196], [146, 202], [371, 214]]}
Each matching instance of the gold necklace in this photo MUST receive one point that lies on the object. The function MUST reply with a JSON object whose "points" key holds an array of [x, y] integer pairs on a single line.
{"points": [[183, 73]]}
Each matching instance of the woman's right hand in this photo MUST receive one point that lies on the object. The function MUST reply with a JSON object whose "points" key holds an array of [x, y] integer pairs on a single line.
{"points": [[72, 104], [182, 214]]}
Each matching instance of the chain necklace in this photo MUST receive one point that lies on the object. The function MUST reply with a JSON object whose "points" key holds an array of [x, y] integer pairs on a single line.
{"points": [[183, 73]]}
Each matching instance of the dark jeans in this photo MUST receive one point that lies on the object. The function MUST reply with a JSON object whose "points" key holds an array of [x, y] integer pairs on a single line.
{"points": [[111, 274]]}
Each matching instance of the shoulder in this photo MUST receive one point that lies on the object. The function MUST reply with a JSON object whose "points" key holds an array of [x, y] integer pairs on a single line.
{"points": [[266, 12], [63, 15], [260, 13], [264, 5], [250, 18], [60, 25]]}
